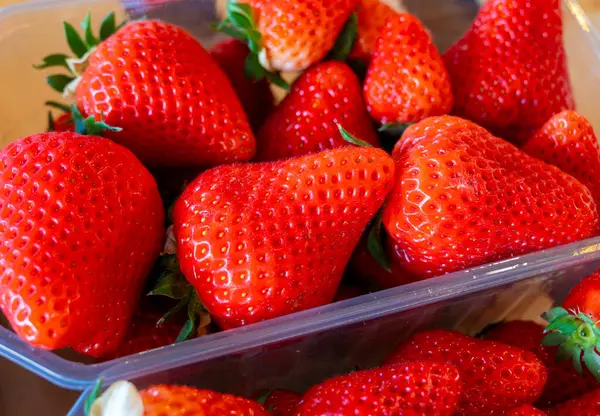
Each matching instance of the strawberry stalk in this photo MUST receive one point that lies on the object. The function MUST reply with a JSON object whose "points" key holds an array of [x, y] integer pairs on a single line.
{"points": [[240, 24], [345, 41], [577, 338]]}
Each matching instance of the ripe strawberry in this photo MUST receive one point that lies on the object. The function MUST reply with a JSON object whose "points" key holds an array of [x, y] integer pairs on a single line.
{"points": [[509, 72], [282, 402], [81, 223], [154, 80], [574, 326], [568, 141], [496, 377], [526, 410], [407, 80], [285, 35], [64, 122], [586, 405], [464, 197], [267, 239], [306, 121], [256, 96], [416, 388], [563, 381], [372, 16], [143, 333], [170, 400]]}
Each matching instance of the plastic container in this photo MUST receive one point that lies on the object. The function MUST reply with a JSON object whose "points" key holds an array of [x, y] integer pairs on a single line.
{"points": [[297, 350]]}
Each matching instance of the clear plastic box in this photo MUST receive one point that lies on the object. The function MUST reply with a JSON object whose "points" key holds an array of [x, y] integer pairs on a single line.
{"points": [[296, 350]]}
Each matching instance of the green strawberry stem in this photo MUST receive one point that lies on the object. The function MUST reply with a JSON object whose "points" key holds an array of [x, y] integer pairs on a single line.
{"points": [[81, 47], [577, 338], [240, 24], [172, 283], [89, 401], [345, 41]]}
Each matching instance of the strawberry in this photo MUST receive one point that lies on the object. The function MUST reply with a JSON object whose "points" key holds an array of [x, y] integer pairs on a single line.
{"points": [[563, 381], [496, 377], [586, 405], [256, 97], [266, 239], [144, 334], [286, 35], [526, 410], [509, 71], [407, 80], [573, 327], [170, 400], [306, 121], [372, 16], [175, 105], [81, 223], [64, 122], [568, 141], [416, 388], [464, 197], [282, 402]]}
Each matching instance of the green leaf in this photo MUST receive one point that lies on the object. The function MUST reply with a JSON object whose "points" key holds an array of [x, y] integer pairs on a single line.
{"points": [[89, 401], [253, 69], [263, 397], [375, 246], [62, 107], [275, 78], [231, 30], [75, 42], [554, 339], [59, 82], [50, 122], [186, 331], [552, 314], [107, 28], [345, 41], [86, 25], [172, 285], [592, 362], [57, 59], [351, 139], [567, 324], [123, 23], [96, 128], [241, 20], [564, 352], [78, 120], [396, 129]]}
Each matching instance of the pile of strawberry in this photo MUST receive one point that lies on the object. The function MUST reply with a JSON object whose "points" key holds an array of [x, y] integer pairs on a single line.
{"points": [[173, 172]]}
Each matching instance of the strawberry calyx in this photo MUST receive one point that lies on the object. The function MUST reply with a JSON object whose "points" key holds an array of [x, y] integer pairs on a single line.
{"points": [[395, 128], [345, 40], [172, 283], [240, 24], [346, 135], [89, 126], [577, 337], [375, 244], [81, 47]]}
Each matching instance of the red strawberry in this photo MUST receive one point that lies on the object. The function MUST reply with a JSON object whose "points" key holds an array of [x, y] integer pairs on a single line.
{"points": [[181, 400], [410, 389], [574, 326], [288, 35], [407, 80], [464, 197], [143, 333], [372, 15], [306, 121], [175, 105], [526, 410], [282, 402], [586, 405], [509, 72], [256, 97], [563, 382], [496, 377], [81, 223], [63, 123], [267, 239], [568, 141]]}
